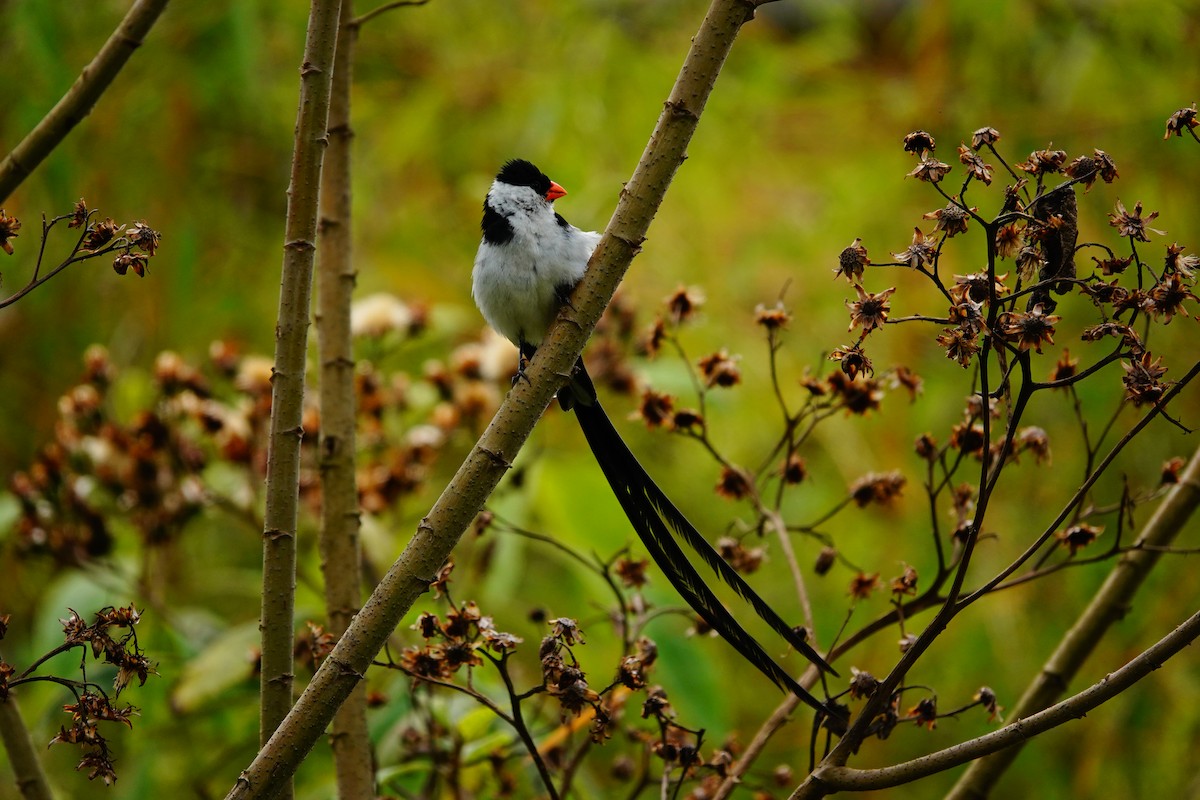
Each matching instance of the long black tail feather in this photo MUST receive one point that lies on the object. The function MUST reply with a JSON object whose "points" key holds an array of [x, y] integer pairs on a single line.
{"points": [[651, 512]]}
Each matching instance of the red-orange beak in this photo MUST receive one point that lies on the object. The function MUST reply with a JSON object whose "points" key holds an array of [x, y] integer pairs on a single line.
{"points": [[555, 192]]}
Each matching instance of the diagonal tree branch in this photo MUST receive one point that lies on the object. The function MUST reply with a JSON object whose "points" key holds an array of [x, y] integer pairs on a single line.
{"points": [[77, 103], [837, 779], [1109, 606], [27, 768], [439, 532]]}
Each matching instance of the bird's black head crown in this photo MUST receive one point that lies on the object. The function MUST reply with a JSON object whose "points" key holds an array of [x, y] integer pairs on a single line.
{"points": [[519, 172]]}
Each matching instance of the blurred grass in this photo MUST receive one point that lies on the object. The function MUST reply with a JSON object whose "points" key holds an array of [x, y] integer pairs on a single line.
{"points": [[797, 154]]}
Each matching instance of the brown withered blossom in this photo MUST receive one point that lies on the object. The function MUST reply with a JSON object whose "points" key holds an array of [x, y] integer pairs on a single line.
{"points": [[968, 438], [880, 488], [8, 230], [863, 585], [1171, 470], [775, 318], [1008, 240], [1182, 120], [1128, 336], [1086, 169], [654, 340], [1113, 265], [852, 360], [1032, 439], [687, 420], [566, 631], [655, 408], [1029, 262], [683, 303], [632, 571], [924, 713], [1028, 329], [986, 697], [425, 662], [1105, 294], [1166, 299], [930, 169], [926, 447], [870, 310], [1065, 368], [1079, 536], [862, 683], [1044, 162], [918, 142], [100, 234], [853, 261], [977, 287], [745, 560], [952, 219], [857, 397], [734, 483], [1141, 379], [126, 261], [903, 377], [920, 253], [1176, 261], [720, 369], [960, 345], [1133, 225], [905, 584], [984, 136], [79, 214], [142, 236], [825, 560], [974, 164], [794, 470]]}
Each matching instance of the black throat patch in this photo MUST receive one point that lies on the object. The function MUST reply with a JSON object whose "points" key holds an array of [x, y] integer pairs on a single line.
{"points": [[495, 226]]}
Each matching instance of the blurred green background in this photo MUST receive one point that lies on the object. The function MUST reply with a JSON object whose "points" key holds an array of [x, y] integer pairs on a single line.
{"points": [[797, 154]]}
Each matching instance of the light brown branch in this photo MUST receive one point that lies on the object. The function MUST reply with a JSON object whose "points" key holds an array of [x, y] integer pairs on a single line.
{"points": [[79, 100], [287, 389], [22, 755], [438, 532]]}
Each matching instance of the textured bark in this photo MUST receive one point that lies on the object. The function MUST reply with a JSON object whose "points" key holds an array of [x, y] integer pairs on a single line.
{"points": [[440, 530], [287, 391], [22, 755], [77, 103], [339, 545]]}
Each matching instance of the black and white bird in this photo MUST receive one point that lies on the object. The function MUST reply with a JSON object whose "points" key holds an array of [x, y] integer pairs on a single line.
{"points": [[529, 260]]}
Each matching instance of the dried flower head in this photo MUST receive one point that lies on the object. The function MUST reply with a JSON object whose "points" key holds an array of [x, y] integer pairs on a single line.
{"points": [[734, 483], [1008, 240], [1141, 379], [869, 311], [1065, 368], [683, 303], [976, 168], [1044, 162], [655, 409], [1171, 470], [1028, 329], [984, 136], [862, 684], [1166, 298], [100, 234], [863, 585], [773, 319], [905, 584], [930, 169], [952, 219], [632, 571], [8, 230], [877, 488], [1182, 120], [986, 697], [918, 142], [142, 236], [852, 262], [79, 214], [857, 397], [1079, 536], [1176, 261], [920, 253], [794, 470], [825, 560], [977, 287], [1133, 224], [720, 369], [960, 345], [924, 713]]}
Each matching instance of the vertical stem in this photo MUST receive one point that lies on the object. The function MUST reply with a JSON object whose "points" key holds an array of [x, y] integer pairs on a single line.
{"points": [[287, 392], [31, 779], [339, 543]]}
